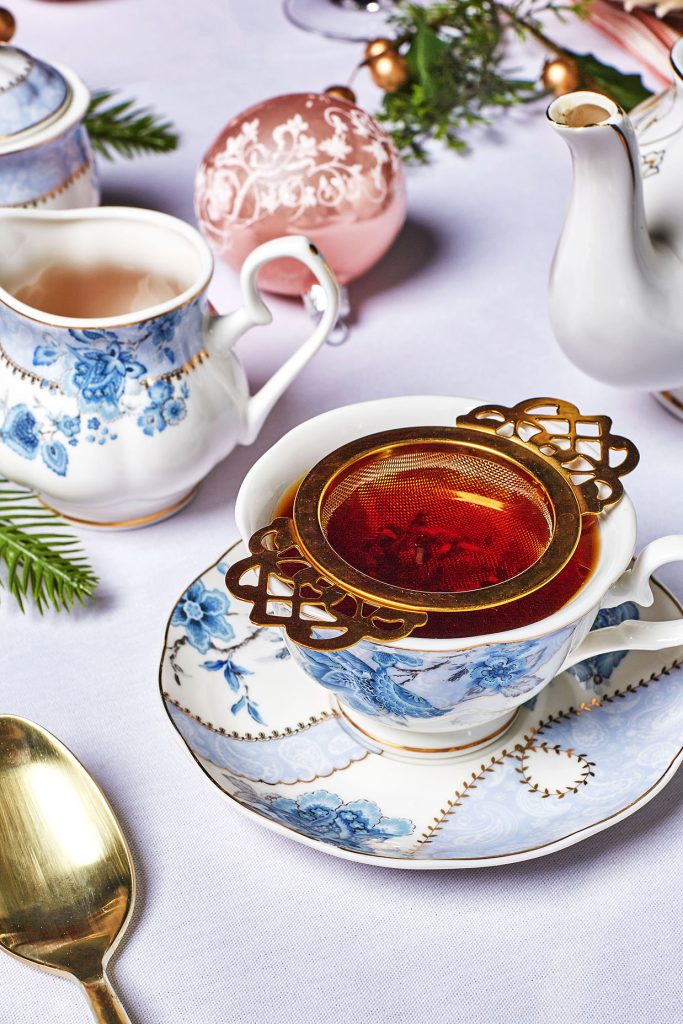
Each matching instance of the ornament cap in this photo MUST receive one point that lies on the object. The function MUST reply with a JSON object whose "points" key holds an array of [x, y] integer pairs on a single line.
{"points": [[377, 46], [8, 25], [341, 92], [561, 75]]}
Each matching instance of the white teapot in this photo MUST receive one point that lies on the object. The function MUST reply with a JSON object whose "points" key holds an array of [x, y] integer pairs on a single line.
{"points": [[46, 160], [119, 390], [618, 270]]}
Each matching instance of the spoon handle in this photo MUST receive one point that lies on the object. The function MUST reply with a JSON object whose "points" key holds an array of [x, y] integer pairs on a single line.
{"points": [[105, 1003]]}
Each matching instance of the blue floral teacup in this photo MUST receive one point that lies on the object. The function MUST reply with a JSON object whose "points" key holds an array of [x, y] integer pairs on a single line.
{"points": [[114, 418], [418, 697]]}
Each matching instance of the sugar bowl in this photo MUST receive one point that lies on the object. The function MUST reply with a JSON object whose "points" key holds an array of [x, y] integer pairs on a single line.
{"points": [[46, 160]]}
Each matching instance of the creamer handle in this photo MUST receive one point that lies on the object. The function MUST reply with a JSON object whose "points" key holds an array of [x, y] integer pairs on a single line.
{"points": [[224, 331]]}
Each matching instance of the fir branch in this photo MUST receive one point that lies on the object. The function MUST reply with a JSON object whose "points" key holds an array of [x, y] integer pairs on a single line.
{"points": [[42, 561], [121, 128], [454, 53], [456, 77]]}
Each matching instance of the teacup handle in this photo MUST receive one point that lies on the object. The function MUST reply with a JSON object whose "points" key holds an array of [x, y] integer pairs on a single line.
{"points": [[635, 585], [224, 331]]}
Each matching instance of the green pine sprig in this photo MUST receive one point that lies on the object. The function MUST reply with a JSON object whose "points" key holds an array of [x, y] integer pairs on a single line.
{"points": [[41, 561], [457, 75], [126, 130]]}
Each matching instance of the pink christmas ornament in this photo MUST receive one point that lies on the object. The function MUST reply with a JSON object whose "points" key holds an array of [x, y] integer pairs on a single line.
{"points": [[308, 164]]}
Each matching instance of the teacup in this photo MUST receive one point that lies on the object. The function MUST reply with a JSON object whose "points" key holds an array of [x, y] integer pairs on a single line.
{"points": [[417, 696]]}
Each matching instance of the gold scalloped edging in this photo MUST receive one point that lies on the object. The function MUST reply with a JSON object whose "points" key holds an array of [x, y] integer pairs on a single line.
{"points": [[52, 385], [21, 75], [325, 716], [520, 750], [58, 190], [190, 364], [42, 382], [229, 773]]}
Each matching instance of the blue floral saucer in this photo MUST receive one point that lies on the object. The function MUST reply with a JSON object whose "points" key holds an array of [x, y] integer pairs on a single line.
{"points": [[270, 739]]}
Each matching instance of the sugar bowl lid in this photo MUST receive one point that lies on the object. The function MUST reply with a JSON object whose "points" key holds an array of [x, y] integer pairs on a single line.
{"points": [[32, 93]]}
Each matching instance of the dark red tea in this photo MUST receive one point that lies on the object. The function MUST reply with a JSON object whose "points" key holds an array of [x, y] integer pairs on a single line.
{"points": [[438, 519], [455, 542]]}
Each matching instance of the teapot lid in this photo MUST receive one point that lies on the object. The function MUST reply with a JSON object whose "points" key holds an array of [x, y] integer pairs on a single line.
{"points": [[32, 92]]}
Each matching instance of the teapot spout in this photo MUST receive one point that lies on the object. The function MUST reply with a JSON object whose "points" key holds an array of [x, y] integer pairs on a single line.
{"points": [[611, 286]]}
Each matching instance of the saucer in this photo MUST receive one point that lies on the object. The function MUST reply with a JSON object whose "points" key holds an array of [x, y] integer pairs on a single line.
{"points": [[595, 745]]}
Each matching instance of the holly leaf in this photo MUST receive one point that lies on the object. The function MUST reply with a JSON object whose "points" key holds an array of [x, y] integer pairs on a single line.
{"points": [[426, 58], [626, 90]]}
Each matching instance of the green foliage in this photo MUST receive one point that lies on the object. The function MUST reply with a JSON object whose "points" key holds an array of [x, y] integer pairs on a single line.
{"points": [[41, 560], [121, 128], [454, 59], [454, 52], [627, 90]]}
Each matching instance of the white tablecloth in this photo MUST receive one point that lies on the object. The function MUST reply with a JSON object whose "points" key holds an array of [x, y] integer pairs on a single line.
{"points": [[235, 923]]}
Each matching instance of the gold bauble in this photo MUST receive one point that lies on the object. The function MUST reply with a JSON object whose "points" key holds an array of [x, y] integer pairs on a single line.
{"points": [[561, 75], [389, 71], [342, 92], [7, 25], [377, 46]]}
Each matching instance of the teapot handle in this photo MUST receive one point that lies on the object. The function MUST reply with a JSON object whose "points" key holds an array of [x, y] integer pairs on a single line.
{"points": [[224, 331]]}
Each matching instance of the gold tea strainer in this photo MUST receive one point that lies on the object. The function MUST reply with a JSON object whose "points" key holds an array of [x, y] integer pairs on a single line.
{"points": [[406, 522]]}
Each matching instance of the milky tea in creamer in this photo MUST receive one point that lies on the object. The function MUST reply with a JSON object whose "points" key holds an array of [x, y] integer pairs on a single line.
{"points": [[96, 292]]}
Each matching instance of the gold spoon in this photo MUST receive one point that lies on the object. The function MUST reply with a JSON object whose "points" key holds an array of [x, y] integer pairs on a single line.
{"points": [[67, 884]]}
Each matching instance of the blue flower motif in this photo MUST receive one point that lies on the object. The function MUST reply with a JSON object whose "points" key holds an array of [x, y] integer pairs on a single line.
{"points": [[93, 423], [151, 420], [19, 431], [370, 687], [357, 825], [55, 457], [161, 332], [92, 334], [45, 355], [173, 410], [202, 613], [504, 669], [599, 669], [184, 390], [69, 425], [160, 391], [98, 378], [232, 672]]}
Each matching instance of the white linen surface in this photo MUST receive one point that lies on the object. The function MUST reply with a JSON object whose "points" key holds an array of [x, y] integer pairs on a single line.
{"points": [[235, 923]]}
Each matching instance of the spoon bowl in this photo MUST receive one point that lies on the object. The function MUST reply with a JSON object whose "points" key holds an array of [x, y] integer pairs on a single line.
{"points": [[67, 883]]}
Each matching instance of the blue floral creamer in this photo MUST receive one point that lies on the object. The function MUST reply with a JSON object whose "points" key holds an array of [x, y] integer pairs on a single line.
{"points": [[116, 420]]}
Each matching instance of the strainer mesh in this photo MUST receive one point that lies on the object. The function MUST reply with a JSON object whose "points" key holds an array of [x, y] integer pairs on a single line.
{"points": [[438, 517]]}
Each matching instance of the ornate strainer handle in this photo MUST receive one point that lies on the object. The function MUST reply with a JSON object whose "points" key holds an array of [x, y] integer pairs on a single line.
{"points": [[583, 446], [275, 557]]}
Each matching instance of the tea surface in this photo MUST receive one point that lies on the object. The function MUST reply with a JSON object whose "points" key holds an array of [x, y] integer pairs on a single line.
{"points": [[437, 519], [96, 292]]}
